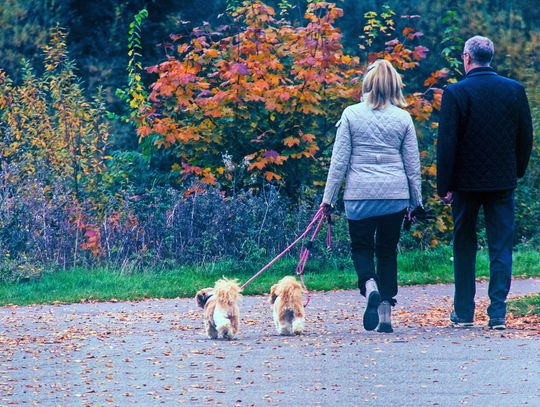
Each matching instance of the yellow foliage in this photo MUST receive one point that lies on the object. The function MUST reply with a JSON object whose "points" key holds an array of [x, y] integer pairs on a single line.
{"points": [[51, 127]]}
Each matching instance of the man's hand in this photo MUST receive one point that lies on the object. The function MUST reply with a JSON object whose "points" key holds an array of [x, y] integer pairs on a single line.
{"points": [[448, 198]]}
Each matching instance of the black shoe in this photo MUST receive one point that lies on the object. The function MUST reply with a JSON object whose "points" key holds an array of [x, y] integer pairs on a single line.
{"points": [[384, 327], [460, 322], [497, 323], [385, 317], [371, 314]]}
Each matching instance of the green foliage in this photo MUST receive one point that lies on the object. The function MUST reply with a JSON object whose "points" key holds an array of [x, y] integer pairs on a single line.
{"points": [[78, 284], [452, 42], [526, 305], [50, 129], [19, 269], [377, 24], [24, 30], [53, 142], [60, 192], [135, 94]]}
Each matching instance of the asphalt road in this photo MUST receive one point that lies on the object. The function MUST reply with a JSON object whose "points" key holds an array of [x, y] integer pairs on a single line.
{"points": [[154, 352]]}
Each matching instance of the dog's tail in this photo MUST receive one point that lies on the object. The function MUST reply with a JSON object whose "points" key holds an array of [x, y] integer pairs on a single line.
{"points": [[293, 294], [227, 291]]}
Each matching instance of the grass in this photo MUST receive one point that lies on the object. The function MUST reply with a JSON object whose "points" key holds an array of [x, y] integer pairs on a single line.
{"points": [[101, 284], [526, 305]]}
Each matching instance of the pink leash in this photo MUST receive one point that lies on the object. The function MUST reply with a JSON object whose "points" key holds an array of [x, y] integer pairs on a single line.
{"points": [[304, 251], [306, 248]]}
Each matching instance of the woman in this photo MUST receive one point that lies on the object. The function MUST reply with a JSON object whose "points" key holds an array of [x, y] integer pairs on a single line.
{"points": [[376, 149]]}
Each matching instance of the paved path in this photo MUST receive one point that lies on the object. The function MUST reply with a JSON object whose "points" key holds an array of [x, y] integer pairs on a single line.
{"points": [[154, 353]]}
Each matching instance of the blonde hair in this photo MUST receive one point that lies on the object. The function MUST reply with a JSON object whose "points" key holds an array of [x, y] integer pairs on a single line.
{"points": [[382, 85]]}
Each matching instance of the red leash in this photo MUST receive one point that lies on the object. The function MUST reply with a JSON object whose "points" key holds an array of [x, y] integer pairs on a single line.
{"points": [[304, 251]]}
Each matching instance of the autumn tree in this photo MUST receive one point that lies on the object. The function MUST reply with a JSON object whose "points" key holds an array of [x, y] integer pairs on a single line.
{"points": [[50, 128], [261, 94], [53, 137]]}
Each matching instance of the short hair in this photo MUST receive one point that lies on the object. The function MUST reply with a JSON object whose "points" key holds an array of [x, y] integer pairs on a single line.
{"points": [[480, 49], [382, 85]]}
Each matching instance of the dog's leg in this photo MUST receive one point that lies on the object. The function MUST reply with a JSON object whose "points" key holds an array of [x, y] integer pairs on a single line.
{"points": [[223, 323], [286, 319], [298, 325], [298, 319], [234, 318], [286, 328], [211, 330], [280, 320], [276, 316]]}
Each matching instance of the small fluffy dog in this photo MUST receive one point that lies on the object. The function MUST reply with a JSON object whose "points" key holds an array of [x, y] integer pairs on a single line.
{"points": [[221, 312], [287, 296]]}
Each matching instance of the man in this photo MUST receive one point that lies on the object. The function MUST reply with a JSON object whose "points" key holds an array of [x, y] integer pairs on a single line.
{"points": [[484, 145]]}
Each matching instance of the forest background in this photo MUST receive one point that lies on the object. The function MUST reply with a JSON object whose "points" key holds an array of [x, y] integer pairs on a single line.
{"points": [[152, 134]]}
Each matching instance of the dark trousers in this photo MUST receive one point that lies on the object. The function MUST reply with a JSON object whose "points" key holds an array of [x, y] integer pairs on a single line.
{"points": [[499, 219], [377, 237]]}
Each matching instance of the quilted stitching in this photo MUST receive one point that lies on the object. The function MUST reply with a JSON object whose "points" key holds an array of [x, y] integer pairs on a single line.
{"points": [[377, 152], [490, 110]]}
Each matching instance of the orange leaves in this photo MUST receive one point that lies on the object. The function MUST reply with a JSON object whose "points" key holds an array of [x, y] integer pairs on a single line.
{"points": [[437, 98], [205, 175], [430, 170], [92, 243], [291, 141], [262, 89], [419, 107], [144, 131], [260, 164], [436, 77], [308, 138], [269, 175], [258, 86], [264, 158], [323, 12], [212, 53]]}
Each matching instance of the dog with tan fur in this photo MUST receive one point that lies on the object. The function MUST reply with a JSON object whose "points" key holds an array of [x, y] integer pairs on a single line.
{"points": [[221, 311], [289, 315]]}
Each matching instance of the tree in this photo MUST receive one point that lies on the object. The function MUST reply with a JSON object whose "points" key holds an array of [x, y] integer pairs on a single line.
{"points": [[263, 94]]}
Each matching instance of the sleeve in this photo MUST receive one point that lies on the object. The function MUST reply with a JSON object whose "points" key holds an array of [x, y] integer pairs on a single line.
{"points": [[339, 163], [447, 143], [524, 140], [411, 163]]}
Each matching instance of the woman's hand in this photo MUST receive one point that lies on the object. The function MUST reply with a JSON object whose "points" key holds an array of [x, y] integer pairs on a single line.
{"points": [[327, 208]]}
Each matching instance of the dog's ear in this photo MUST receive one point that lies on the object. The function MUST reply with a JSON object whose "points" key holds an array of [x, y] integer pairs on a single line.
{"points": [[201, 297], [273, 294]]}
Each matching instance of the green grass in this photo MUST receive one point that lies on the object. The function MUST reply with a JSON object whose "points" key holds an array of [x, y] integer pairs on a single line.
{"points": [[101, 284], [527, 305]]}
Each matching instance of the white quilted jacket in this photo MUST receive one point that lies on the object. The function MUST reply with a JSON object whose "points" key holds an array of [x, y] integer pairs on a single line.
{"points": [[377, 152]]}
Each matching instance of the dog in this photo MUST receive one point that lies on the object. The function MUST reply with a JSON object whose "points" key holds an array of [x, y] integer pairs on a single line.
{"points": [[221, 311], [289, 315]]}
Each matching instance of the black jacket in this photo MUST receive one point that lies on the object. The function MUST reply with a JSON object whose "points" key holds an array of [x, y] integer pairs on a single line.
{"points": [[485, 134]]}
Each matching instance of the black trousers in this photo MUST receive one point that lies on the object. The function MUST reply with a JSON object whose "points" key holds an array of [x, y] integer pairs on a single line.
{"points": [[499, 217], [377, 237]]}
